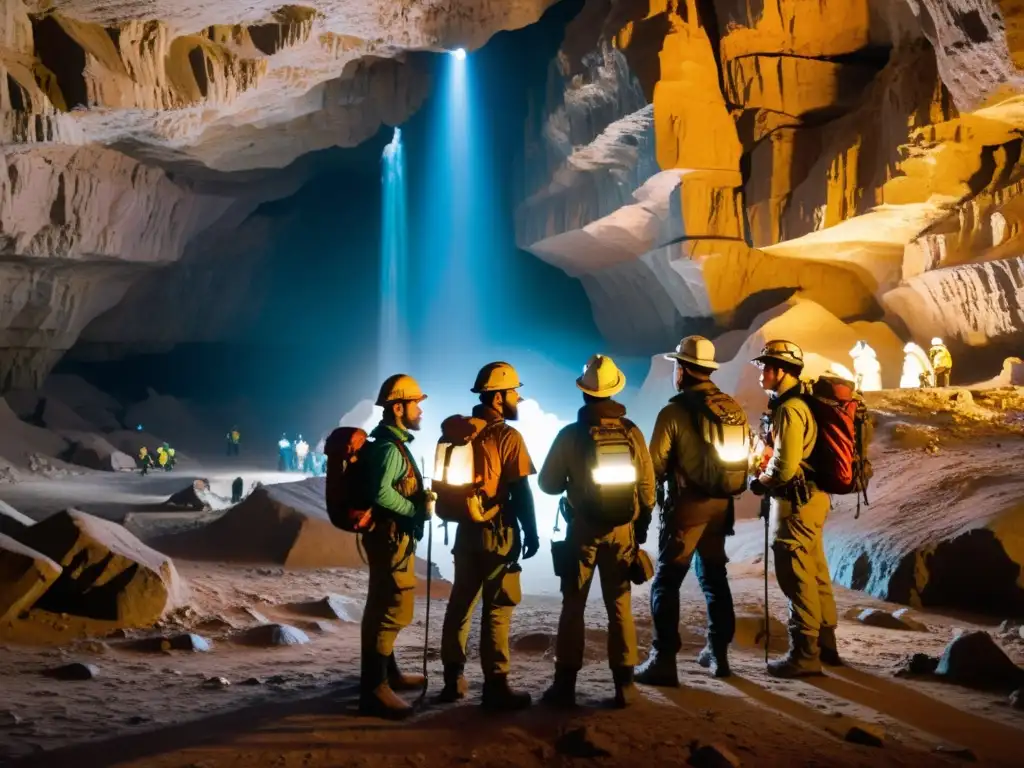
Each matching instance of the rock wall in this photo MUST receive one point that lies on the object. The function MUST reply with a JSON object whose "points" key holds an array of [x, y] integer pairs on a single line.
{"points": [[132, 137], [858, 153]]}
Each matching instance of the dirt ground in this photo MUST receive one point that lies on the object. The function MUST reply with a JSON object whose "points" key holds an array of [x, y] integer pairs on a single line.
{"points": [[294, 706]]}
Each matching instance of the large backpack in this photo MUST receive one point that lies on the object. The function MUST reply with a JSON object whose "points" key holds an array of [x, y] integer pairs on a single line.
{"points": [[839, 461], [462, 472], [348, 505], [609, 487], [722, 423]]}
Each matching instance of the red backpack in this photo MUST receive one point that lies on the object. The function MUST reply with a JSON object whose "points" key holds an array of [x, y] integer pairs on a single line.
{"points": [[347, 505], [839, 458]]}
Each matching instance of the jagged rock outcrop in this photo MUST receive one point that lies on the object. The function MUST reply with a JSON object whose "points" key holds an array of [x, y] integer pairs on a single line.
{"points": [[858, 146], [24, 576]]}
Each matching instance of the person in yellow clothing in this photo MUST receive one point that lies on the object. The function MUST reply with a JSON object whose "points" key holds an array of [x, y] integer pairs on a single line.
{"points": [[487, 554], [162, 457], [602, 464], [942, 362], [395, 490], [146, 460], [797, 516]]}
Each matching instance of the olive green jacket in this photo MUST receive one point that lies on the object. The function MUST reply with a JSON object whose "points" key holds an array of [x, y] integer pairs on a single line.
{"points": [[794, 432]]}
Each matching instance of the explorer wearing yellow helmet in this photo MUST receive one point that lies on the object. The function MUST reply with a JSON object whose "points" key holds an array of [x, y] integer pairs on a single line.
{"points": [[797, 515], [691, 433], [395, 487], [942, 362], [487, 554], [607, 514]]}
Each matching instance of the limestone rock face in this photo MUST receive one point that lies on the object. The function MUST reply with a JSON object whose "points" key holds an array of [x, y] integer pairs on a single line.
{"points": [[858, 153], [129, 133]]}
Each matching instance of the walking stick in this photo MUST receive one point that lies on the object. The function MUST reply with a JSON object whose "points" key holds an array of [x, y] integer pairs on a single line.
{"points": [[767, 622], [430, 569]]}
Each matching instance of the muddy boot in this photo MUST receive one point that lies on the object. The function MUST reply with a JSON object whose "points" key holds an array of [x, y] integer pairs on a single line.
{"points": [[403, 682], [828, 651], [498, 697], [659, 669], [715, 658], [562, 692], [801, 661], [376, 699], [626, 692], [455, 685]]}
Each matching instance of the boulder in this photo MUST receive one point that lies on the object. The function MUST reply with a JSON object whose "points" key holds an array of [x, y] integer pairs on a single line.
{"points": [[108, 575], [74, 671], [12, 522], [713, 756], [20, 441], [973, 659], [25, 575], [286, 524], [874, 617], [272, 635], [95, 452], [931, 517], [196, 496]]}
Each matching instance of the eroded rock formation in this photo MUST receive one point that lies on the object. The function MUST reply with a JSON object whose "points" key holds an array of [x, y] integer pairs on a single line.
{"points": [[129, 135], [862, 154]]}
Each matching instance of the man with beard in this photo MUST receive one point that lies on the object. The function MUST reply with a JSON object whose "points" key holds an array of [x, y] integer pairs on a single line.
{"points": [[395, 488], [487, 554]]}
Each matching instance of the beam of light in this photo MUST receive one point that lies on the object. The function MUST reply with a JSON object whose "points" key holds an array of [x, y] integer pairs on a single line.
{"points": [[459, 54], [393, 331]]}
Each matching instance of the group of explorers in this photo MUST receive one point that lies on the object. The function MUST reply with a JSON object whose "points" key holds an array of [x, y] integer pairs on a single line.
{"points": [[165, 459], [701, 456]]}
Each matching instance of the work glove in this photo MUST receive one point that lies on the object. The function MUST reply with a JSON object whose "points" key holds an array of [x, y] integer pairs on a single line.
{"points": [[530, 547], [757, 487], [640, 533]]}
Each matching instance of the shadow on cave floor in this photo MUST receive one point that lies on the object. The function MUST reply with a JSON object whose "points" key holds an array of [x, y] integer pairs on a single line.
{"points": [[742, 711]]}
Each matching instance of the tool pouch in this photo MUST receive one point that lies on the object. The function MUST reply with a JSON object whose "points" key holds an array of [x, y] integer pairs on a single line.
{"points": [[560, 557]]}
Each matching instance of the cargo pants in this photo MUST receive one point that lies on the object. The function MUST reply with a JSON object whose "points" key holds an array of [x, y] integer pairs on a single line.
{"points": [[391, 597], [485, 567], [611, 554], [800, 564], [703, 545]]}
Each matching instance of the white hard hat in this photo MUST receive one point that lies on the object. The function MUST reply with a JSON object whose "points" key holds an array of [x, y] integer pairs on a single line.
{"points": [[936, 341]]}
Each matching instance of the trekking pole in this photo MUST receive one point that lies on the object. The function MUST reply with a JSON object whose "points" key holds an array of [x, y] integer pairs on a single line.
{"points": [[765, 506], [430, 569]]}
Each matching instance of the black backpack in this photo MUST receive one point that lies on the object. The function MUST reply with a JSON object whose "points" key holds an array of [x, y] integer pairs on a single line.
{"points": [[722, 423], [610, 482]]}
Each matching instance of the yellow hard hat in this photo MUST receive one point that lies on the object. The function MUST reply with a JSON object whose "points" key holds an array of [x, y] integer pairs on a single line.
{"points": [[495, 377], [780, 351], [400, 387], [601, 377]]}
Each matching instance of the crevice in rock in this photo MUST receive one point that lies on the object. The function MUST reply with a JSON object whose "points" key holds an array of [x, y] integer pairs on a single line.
{"points": [[197, 60], [972, 25], [707, 17], [64, 57]]}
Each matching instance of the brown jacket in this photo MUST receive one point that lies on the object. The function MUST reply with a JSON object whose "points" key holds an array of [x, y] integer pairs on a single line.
{"points": [[677, 450], [565, 468]]}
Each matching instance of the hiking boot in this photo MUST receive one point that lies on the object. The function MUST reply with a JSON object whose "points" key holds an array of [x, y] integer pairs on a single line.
{"points": [[716, 659], [562, 692], [376, 699], [828, 651], [455, 685], [626, 692], [498, 697], [659, 669], [403, 682], [801, 660]]}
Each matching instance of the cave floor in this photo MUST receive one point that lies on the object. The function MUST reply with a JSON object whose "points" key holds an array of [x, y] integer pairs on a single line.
{"points": [[151, 709]]}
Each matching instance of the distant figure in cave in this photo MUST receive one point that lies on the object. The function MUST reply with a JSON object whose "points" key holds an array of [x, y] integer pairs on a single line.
{"points": [[234, 440], [237, 488], [284, 453], [942, 362], [917, 371], [301, 452], [145, 460], [866, 367]]}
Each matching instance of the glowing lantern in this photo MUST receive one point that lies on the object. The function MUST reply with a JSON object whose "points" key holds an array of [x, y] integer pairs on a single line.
{"points": [[614, 466], [453, 464]]}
